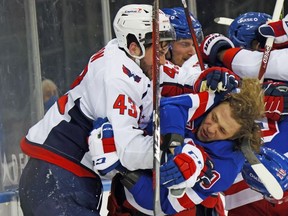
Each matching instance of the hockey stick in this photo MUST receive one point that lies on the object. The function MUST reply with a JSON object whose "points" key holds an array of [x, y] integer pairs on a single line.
{"points": [[268, 180], [180, 192], [156, 113], [192, 32], [223, 21], [270, 41]]}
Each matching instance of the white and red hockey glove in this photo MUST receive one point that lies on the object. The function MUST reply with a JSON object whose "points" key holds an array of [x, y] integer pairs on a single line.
{"points": [[212, 45], [218, 79], [184, 168], [278, 30], [102, 147], [276, 100]]}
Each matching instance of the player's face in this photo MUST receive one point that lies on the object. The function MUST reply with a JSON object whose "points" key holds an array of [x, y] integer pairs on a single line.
{"points": [[182, 50], [218, 124], [146, 62]]}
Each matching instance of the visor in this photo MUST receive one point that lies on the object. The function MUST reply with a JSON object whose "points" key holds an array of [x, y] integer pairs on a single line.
{"points": [[163, 36]]}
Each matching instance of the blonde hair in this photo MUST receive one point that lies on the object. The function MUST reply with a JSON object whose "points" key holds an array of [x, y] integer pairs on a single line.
{"points": [[248, 106], [49, 89]]}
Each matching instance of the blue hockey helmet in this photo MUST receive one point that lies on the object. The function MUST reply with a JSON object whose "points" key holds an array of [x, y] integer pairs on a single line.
{"points": [[244, 29], [277, 165], [178, 21]]}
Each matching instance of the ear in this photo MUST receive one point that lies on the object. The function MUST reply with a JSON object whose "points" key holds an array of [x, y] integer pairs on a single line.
{"points": [[134, 49]]}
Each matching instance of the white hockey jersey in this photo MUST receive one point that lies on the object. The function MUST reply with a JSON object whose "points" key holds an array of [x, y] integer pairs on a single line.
{"points": [[246, 63], [112, 85]]}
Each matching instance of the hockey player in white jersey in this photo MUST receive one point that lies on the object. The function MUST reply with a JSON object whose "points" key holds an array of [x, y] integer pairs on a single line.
{"points": [[115, 83], [176, 80], [245, 32]]}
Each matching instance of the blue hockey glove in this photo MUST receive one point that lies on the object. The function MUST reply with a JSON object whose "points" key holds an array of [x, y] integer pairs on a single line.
{"points": [[218, 79], [206, 174], [184, 168], [99, 122], [102, 147], [212, 45], [276, 100]]}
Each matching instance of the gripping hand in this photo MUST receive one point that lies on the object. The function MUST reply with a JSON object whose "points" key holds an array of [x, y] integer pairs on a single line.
{"points": [[102, 147], [278, 30], [218, 79], [206, 174], [183, 169], [276, 100], [212, 45]]}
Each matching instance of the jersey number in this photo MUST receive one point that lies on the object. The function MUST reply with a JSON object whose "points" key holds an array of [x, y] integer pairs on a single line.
{"points": [[171, 72], [120, 103]]}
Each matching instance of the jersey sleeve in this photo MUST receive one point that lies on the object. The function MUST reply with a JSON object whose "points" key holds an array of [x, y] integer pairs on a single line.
{"points": [[246, 63], [178, 80], [177, 111], [224, 174]]}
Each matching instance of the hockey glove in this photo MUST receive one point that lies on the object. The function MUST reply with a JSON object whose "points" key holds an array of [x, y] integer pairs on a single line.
{"points": [[218, 79], [276, 100], [278, 30], [212, 45], [206, 174], [102, 147], [183, 169]]}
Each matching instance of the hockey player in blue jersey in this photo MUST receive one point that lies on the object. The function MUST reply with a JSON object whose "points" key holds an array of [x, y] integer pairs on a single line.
{"points": [[214, 135], [58, 178], [271, 111], [177, 82], [274, 135], [183, 47], [244, 32]]}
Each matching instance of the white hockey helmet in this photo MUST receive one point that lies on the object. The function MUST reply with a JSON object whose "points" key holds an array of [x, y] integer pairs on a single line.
{"points": [[136, 19]]}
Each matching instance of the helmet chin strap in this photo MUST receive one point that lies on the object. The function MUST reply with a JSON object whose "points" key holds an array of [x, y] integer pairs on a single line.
{"points": [[137, 58], [137, 61]]}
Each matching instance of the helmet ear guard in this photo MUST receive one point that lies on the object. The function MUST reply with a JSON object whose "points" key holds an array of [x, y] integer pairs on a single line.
{"points": [[244, 29], [277, 165], [136, 19]]}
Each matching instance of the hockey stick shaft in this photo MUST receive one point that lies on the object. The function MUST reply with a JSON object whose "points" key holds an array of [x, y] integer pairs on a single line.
{"points": [[269, 41], [156, 114], [268, 180], [180, 192], [192, 32], [223, 21]]}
